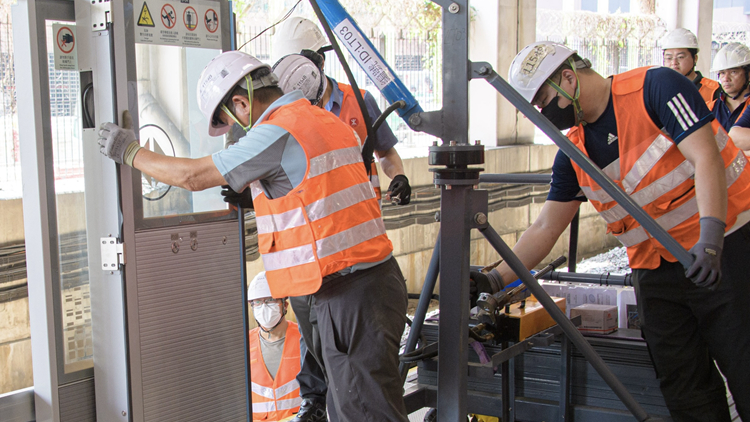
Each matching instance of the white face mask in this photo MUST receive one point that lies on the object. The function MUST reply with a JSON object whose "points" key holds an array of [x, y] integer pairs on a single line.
{"points": [[268, 315]]}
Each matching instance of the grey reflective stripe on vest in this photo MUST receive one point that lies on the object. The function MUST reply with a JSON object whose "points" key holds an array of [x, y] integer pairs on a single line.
{"points": [[288, 404], [280, 222], [287, 388], [288, 258], [339, 200], [653, 191], [613, 170], [635, 177], [646, 162], [673, 218], [265, 407], [350, 237], [260, 390], [332, 160], [255, 189]]}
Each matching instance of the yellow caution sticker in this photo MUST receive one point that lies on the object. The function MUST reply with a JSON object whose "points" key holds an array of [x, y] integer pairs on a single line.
{"points": [[145, 18]]}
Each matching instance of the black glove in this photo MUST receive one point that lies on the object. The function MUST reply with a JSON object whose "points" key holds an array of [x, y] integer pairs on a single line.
{"points": [[243, 199], [706, 269], [399, 190], [478, 283]]}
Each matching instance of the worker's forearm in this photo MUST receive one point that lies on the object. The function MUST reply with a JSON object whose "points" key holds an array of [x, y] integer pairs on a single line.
{"points": [[741, 138], [711, 188], [532, 247], [187, 173], [390, 162]]}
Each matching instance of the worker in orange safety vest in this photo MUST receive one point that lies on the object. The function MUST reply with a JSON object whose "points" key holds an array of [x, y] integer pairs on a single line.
{"points": [[320, 231], [274, 355], [650, 131], [680, 52]]}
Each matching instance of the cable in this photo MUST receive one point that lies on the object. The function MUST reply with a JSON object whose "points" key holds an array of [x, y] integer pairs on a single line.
{"points": [[391, 108], [369, 143], [286, 16], [88, 119]]}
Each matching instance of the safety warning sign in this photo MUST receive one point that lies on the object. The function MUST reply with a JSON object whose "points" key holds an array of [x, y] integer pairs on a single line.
{"points": [[187, 23], [145, 19], [66, 54]]}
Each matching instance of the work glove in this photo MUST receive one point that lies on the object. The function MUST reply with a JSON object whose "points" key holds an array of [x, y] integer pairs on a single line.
{"points": [[243, 199], [706, 269], [118, 142], [399, 190], [480, 282]]}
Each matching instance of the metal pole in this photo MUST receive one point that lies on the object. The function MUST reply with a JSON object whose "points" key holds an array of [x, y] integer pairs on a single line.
{"points": [[428, 288], [537, 179], [245, 317], [573, 242], [604, 279], [484, 70], [565, 324]]}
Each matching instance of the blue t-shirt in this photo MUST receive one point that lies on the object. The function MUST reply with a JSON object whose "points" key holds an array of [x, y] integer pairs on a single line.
{"points": [[728, 119], [673, 103]]}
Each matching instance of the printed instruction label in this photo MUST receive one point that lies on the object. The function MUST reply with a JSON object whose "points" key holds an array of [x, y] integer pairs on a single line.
{"points": [[66, 53], [363, 53], [191, 23]]}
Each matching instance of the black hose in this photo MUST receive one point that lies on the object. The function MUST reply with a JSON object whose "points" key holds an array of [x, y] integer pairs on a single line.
{"points": [[391, 108], [88, 119], [369, 143]]}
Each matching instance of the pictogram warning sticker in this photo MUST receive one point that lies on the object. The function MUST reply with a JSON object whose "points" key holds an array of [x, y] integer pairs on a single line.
{"points": [[145, 18], [66, 53]]}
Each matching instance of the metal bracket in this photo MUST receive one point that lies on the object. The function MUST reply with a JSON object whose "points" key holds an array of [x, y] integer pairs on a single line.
{"points": [[101, 15], [113, 254]]}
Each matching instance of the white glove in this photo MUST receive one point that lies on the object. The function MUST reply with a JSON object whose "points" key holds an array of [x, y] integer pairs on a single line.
{"points": [[119, 143]]}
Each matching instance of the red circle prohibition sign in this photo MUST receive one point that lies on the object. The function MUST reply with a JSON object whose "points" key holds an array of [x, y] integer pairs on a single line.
{"points": [[70, 40], [211, 19], [168, 17], [190, 19]]}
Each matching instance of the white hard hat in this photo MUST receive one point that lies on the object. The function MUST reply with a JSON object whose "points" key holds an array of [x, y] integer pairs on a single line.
{"points": [[731, 55], [258, 288], [534, 64], [220, 77], [296, 71], [296, 34], [679, 38]]}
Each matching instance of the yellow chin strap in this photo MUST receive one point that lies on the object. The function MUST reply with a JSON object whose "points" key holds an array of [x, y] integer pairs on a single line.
{"points": [[574, 99], [250, 91]]}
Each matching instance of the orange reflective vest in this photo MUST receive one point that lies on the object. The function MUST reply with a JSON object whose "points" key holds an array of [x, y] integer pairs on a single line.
{"points": [[351, 114], [708, 89], [657, 176], [275, 398], [331, 220]]}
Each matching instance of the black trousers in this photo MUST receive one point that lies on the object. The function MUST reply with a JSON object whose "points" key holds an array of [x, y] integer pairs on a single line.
{"points": [[312, 376], [361, 317], [687, 328]]}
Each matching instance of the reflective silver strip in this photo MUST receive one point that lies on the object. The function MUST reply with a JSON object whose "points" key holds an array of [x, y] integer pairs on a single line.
{"points": [[288, 404], [668, 221], [646, 162], [599, 195], [288, 258], [280, 222], [262, 391], [256, 189], [613, 170], [721, 139], [339, 201], [350, 237], [653, 191], [287, 388], [375, 180], [333, 160], [735, 168], [265, 407]]}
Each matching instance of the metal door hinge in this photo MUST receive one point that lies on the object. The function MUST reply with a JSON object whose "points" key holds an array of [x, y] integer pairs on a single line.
{"points": [[100, 14], [113, 254]]}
